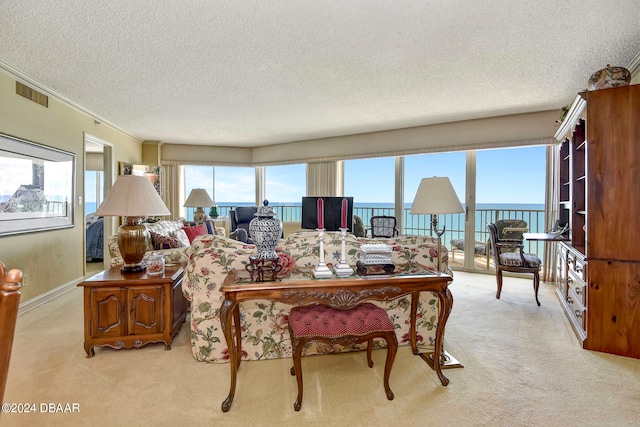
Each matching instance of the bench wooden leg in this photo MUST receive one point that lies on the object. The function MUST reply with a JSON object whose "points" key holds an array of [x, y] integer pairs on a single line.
{"points": [[392, 349], [369, 346], [297, 371]]}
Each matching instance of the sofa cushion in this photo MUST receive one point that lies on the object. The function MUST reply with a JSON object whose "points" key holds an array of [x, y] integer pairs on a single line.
{"points": [[169, 228], [160, 241], [195, 231]]}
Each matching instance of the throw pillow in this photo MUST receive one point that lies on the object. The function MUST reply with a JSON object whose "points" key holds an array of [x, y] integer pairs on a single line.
{"points": [[195, 231], [209, 224], [163, 242], [182, 236]]}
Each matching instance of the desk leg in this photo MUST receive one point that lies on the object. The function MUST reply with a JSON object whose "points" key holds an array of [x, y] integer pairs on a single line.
{"points": [[445, 360], [226, 319], [415, 297], [446, 303], [238, 330]]}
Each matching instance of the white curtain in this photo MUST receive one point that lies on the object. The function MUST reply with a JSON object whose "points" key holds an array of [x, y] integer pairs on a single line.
{"points": [[324, 179], [172, 187], [552, 202]]}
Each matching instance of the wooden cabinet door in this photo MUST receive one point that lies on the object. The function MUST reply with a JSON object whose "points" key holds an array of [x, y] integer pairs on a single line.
{"points": [[614, 308], [146, 315], [108, 306], [613, 133]]}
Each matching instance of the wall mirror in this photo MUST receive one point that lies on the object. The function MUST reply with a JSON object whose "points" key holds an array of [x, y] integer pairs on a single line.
{"points": [[36, 187]]}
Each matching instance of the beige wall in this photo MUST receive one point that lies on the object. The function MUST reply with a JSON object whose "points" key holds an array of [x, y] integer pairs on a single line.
{"points": [[50, 259]]}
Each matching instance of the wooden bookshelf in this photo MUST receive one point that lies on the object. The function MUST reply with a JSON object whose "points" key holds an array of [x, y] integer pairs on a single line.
{"points": [[599, 176]]}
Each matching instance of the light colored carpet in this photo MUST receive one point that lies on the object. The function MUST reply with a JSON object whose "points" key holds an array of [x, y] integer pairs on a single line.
{"points": [[523, 366]]}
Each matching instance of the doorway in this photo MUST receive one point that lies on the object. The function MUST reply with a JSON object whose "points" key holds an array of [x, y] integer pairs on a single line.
{"points": [[97, 181]]}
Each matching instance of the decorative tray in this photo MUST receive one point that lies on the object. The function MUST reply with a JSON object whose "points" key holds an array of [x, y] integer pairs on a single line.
{"points": [[374, 269]]}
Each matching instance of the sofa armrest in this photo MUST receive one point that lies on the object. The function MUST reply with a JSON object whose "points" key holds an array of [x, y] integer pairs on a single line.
{"points": [[211, 257]]}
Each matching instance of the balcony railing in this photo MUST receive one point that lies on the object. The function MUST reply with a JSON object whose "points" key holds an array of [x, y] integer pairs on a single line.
{"points": [[421, 224]]}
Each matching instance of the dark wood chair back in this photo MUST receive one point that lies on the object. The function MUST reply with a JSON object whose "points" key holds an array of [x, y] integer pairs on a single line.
{"points": [[508, 255], [9, 301], [511, 229]]}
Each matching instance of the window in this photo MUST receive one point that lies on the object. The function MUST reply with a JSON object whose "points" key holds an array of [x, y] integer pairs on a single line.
{"points": [[510, 184], [284, 188], [450, 165], [93, 193], [227, 186], [371, 183]]}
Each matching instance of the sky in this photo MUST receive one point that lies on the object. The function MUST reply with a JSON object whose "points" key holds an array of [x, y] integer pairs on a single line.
{"points": [[513, 175], [17, 172]]}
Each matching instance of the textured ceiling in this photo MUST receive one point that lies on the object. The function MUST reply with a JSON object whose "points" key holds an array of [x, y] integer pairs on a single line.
{"points": [[250, 73]]}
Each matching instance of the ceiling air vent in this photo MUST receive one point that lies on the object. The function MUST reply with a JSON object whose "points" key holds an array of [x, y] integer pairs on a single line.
{"points": [[32, 94]]}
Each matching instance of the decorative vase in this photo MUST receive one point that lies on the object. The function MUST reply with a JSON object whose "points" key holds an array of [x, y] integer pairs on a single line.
{"points": [[265, 231], [609, 77]]}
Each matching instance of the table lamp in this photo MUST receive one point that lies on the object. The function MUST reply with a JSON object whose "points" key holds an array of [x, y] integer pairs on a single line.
{"points": [[199, 198], [133, 197], [436, 196]]}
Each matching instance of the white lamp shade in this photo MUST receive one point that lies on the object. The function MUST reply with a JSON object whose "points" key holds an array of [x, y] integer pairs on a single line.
{"points": [[132, 195], [198, 198], [436, 196]]}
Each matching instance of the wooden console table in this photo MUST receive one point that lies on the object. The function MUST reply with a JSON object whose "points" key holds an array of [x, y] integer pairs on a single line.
{"points": [[132, 310], [301, 288]]}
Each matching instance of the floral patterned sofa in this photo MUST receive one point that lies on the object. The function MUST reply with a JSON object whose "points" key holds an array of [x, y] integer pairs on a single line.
{"points": [[168, 238], [264, 324]]}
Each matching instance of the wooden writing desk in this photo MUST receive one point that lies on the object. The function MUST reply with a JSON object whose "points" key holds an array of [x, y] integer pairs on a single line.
{"points": [[546, 237], [301, 288]]}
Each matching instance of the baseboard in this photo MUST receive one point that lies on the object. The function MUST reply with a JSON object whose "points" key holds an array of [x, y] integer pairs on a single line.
{"points": [[48, 296]]}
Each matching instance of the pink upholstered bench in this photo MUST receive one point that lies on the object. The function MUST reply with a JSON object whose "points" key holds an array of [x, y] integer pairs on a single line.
{"points": [[361, 323]]}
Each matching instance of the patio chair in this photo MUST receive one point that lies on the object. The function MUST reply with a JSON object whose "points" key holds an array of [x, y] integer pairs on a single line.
{"points": [[383, 226], [480, 248]]}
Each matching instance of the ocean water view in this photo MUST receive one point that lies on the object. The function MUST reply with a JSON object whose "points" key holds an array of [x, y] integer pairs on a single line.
{"points": [[292, 212], [532, 213]]}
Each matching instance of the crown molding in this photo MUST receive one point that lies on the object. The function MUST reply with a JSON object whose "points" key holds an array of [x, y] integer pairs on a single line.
{"points": [[25, 79]]}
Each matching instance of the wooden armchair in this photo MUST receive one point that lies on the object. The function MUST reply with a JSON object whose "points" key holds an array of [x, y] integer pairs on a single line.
{"points": [[9, 300], [510, 256]]}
